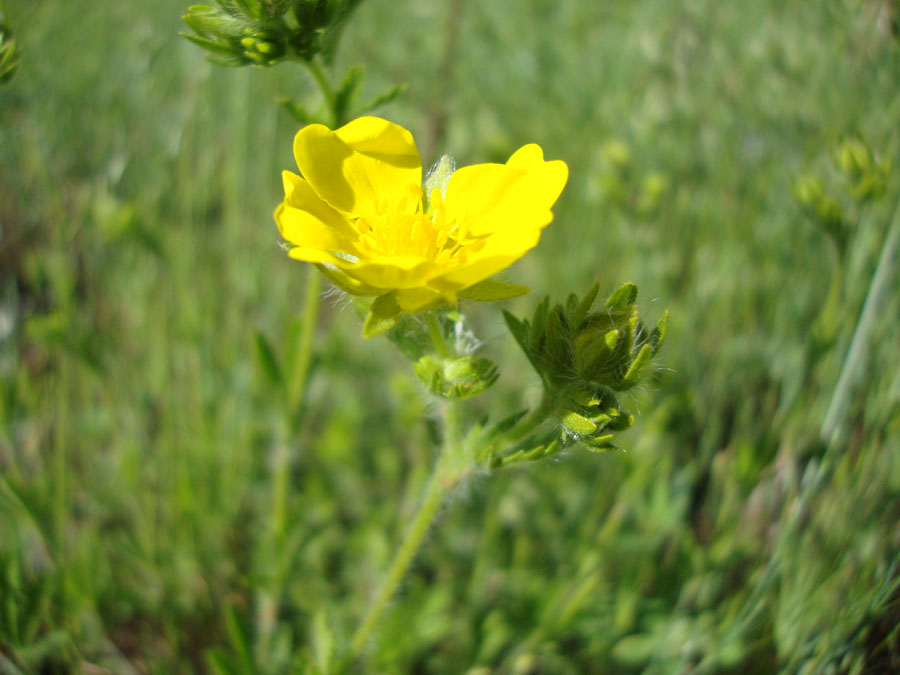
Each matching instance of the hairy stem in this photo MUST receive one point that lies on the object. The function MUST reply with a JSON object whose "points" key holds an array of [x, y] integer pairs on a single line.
{"points": [[438, 486]]}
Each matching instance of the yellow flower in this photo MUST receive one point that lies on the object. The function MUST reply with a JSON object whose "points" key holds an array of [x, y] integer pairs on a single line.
{"points": [[359, 213]]}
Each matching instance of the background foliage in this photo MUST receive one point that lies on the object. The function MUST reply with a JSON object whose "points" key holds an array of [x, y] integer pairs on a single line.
{"points": [[141, 289]]}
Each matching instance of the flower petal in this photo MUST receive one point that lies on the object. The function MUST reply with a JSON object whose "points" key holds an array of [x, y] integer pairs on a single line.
{"points": [[359, 166], [393, 272], [493, 197], [483, 259], [305, 220]]}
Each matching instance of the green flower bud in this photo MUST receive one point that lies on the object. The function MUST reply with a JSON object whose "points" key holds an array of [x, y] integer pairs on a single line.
{"points": [[585, 352], [457, 378], [265, 32]]}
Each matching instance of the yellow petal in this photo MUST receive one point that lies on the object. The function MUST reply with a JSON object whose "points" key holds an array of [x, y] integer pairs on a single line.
{"points": [[393, 272], [305, 220], [526, 156], [313, 255], [484, 259], [363, 164], [493, 197]]}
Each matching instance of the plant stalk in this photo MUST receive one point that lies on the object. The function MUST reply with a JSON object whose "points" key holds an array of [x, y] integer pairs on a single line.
{"points": [[438, 487], [856, 355]]}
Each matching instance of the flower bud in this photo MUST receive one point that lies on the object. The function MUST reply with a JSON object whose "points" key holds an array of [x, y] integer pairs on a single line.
{"points": [[457, 378], [585, 352]]}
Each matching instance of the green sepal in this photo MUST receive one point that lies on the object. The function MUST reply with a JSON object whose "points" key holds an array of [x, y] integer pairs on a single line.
{"points": [[491, 290], [383, 315]]}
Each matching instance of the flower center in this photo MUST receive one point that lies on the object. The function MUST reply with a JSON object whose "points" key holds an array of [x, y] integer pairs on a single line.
{"points": [[405, 229]]}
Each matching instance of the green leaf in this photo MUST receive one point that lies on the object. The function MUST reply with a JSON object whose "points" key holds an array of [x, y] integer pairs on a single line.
{"points": [[384, 98], [636, 370], [210, 23], [623, 297], [491, 290], [210, 45], [528, 455], [585, 305], [349, 90], [383, 315], [658, 336], [267, 360], [297, 111]]}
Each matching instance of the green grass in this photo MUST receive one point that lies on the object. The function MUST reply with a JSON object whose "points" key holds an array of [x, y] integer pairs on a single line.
{"points": [[140, 436]]}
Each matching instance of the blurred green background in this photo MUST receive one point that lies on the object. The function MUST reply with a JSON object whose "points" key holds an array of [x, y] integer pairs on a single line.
{"points": [[140, 272]]}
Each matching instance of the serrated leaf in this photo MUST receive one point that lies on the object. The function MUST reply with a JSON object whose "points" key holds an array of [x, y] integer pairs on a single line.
{"points": [[571, 305], [585, 305], [383, 315], [491, 290], [557, 344], [518, 329], [623, 297], [538, 325]]}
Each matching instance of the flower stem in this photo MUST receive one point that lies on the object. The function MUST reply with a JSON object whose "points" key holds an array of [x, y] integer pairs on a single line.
{"points": [[437, 335], [325, 87], [307, 333], [438, 487]]}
